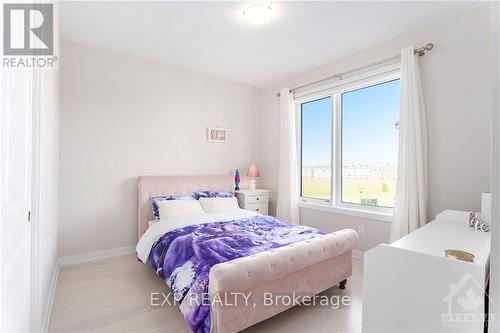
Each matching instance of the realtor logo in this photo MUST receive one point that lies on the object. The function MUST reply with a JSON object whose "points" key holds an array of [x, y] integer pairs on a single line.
{"points": [[28, 36], [28, 29], [466, 303]]}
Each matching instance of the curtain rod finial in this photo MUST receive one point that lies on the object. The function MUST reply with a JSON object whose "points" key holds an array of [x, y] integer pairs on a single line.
{"points": [[278, 94]]}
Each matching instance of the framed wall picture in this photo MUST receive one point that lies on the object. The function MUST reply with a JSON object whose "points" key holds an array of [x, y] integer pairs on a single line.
{"points": [[217, 134]]}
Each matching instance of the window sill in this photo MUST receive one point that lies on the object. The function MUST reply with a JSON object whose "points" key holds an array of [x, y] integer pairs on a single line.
{"points": [[384, 217]]}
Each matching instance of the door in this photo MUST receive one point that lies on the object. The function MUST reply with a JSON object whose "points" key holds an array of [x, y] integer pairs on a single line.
{"points": [[16, 98]]}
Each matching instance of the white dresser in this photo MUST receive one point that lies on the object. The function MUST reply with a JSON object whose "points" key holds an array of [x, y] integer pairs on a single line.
{"points": [[256, 200], [410, 286]]}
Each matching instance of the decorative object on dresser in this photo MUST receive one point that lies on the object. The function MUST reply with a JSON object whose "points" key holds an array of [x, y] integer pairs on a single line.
{"points": [[475, 222], [253, 171], [422, 289], [237, 180], [217, 134], [255, 200], [459, 255]]}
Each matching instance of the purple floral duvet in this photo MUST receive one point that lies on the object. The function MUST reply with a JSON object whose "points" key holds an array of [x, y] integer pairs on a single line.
{"points": [[183, 257]]}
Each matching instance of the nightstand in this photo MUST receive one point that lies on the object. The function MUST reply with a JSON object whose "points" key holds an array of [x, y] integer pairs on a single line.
{"points": [[255, 200]]}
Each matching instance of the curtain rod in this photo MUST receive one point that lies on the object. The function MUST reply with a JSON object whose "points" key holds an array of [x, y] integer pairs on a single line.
{"points": [[421, 51]]}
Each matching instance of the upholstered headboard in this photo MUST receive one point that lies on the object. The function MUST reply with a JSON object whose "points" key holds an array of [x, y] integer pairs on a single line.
{"points": [[154, 186]]}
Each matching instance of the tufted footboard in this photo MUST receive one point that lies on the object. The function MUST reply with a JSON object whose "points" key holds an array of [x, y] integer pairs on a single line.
{"points": [[302, 269]]}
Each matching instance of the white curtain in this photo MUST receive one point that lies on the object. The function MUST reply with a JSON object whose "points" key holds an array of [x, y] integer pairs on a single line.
{"points": [[288, 187], [411, 192]]}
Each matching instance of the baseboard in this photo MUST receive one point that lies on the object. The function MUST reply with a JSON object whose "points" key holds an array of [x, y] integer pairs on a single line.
{"points": [[52, 292], [356, 254], [96, 255]]}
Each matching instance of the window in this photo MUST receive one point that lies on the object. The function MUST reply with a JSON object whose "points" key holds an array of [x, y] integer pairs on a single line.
{"points": [[349, 143], [316, 150], [370, 144]]}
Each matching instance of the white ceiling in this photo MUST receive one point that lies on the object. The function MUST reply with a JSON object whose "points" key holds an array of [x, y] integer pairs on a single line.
{"points": [[213, 38]]}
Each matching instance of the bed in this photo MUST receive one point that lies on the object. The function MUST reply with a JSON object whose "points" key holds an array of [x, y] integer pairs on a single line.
{"points": [[245, 290]]}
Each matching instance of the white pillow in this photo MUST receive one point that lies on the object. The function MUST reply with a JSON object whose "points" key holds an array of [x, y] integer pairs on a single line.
{"points": [[174, 208], [219, 205]]}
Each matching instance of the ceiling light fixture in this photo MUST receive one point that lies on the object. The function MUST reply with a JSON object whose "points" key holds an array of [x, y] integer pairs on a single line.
{"points": [[258, 13]]}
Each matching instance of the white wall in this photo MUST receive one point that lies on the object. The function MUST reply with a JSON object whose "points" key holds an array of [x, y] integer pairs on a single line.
{"points": [[457, 87], [495, 230], [123, 117], [47, 218]]}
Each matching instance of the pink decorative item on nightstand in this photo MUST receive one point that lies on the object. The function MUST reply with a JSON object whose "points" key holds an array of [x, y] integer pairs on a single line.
{"points": [[253, 171]]}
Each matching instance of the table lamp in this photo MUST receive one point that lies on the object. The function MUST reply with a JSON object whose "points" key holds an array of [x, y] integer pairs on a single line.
{"points": [[253, 171]]}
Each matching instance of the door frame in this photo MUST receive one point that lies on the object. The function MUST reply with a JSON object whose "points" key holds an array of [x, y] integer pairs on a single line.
{"points": [[35, 318]]}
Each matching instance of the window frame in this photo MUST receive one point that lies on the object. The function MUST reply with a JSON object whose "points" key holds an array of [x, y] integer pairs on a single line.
{"points": [[334, 90]]}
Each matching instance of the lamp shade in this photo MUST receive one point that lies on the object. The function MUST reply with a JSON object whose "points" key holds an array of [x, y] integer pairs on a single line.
{"points": [[253, 171]]}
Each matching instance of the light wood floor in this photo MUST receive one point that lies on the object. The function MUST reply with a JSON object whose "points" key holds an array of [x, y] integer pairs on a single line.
{"points": [[113, 295]]}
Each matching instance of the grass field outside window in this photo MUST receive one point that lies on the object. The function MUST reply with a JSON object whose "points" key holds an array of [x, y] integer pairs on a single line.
{"points": [[354, 190]]}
